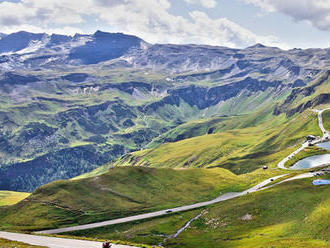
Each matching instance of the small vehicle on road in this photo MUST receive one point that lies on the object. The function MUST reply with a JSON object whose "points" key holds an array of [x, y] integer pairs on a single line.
{"points": [[169, 211], [106, 244]]}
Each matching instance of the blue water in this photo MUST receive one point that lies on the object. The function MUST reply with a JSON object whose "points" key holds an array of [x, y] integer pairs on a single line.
{"points": [[325, 145], [321, 182], [311, 162]]}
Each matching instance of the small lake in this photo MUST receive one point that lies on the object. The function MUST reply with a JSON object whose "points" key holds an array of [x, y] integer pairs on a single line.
{"points": [[311, 162], [325, 145]]}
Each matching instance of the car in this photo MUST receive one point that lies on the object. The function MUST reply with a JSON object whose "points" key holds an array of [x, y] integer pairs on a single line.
{"points": [[271, 179], [169, 211]]}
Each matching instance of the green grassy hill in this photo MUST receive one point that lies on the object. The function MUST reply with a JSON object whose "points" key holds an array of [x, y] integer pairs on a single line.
{"points": [[142, 182], [241, 150], [294, 214], [326, 119], [128, 190], [121, 192]]}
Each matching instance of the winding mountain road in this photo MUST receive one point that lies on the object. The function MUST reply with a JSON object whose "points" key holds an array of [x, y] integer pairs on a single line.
{"points": [[326, 136], [324, 131]]}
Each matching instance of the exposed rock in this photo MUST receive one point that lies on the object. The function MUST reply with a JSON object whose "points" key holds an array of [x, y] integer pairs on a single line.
{"points": [[76, 77], [246, 217], [105, 46], [14, 78]]}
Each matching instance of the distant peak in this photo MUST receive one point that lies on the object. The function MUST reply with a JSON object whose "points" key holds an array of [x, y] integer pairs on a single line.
{"points": [[258, 45], [26, 33], [101, 33]]}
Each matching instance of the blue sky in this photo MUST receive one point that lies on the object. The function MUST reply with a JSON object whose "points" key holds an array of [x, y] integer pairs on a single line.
{"points": [[234, 23]]}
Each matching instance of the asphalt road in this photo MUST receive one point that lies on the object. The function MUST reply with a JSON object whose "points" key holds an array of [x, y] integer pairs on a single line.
{"points": [[52, 242], [324, 131]]}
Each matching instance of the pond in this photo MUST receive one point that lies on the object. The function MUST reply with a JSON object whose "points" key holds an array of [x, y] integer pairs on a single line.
{"points": [[311, 162], [325, 145]]}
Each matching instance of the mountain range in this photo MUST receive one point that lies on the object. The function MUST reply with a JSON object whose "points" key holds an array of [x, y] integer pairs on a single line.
{"points": [[72, 103]]}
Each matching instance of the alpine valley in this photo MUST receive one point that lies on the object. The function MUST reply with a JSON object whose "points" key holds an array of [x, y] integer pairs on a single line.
{"points": [[105, 126]]}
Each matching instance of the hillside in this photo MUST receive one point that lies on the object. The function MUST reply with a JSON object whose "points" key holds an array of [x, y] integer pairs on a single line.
{"points": [[194, 161], [11, 198], [73, 103], [240, 150], [121, 192], [295, 214], [326, 119]]}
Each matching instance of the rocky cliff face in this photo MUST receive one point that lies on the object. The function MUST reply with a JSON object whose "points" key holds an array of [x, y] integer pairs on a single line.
{"points": [[296, 103]]}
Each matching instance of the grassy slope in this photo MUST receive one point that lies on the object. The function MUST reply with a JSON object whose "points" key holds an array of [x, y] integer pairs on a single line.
{"points": [[121, 192], [326, 119], [240, 150], [295, 214], [10, 197], [4, 243], [198, 128], [214, 125]]}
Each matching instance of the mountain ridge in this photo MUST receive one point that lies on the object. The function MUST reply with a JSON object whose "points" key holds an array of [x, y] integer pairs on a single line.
{"points": [[33, 51]]}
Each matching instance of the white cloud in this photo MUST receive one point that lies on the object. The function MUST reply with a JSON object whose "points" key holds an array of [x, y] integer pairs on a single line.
{"points": [[40, 13], [205, 3], [149, 19], [317, 12]]}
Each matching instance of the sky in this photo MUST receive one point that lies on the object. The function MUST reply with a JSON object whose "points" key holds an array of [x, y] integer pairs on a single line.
{"points": [[233, 23]]}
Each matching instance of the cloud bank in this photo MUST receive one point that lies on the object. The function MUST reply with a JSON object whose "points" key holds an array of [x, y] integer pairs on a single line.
{"points": [[148, 19], [205, 3], [316, 12]]}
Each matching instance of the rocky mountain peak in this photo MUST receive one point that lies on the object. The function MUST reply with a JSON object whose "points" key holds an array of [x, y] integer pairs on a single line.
{"points": [[18, 41]]}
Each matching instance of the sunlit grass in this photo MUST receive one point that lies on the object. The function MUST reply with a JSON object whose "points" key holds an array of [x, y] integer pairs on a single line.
{"points": [[10, 197]]}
